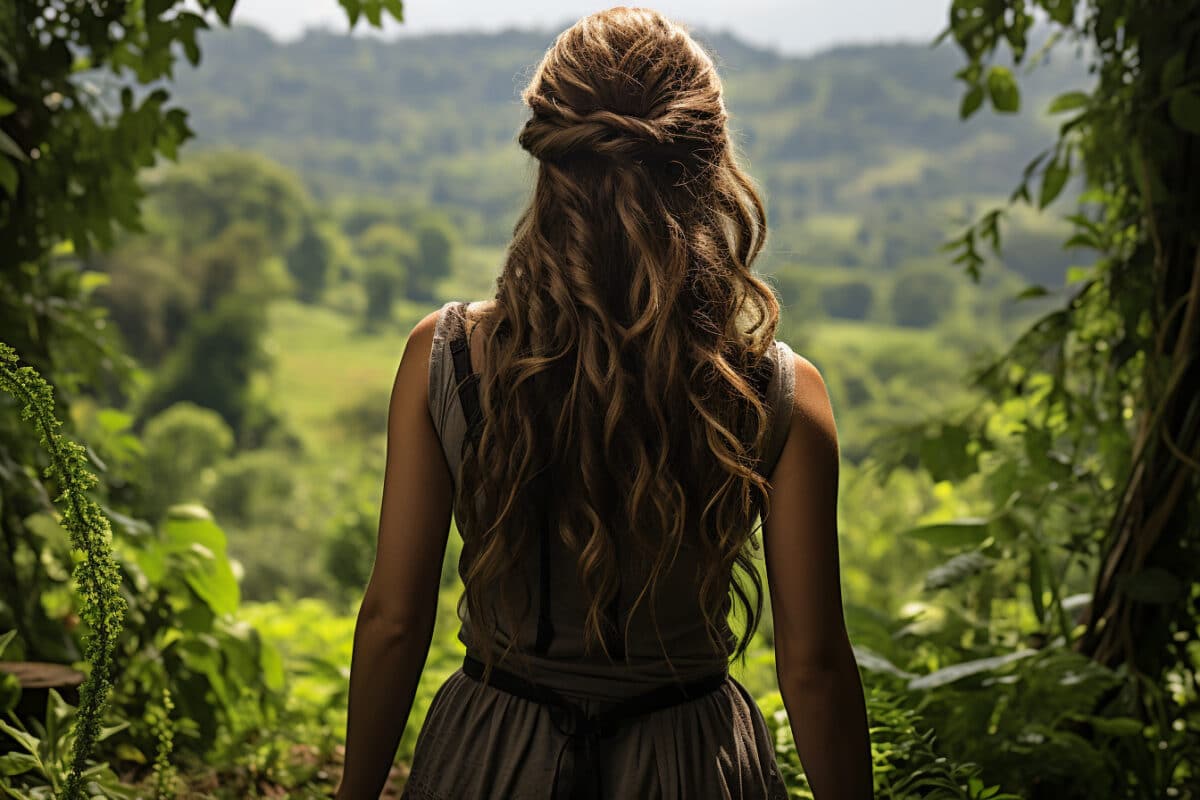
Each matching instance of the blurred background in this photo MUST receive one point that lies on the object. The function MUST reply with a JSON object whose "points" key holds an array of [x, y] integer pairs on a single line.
{"points": [[223, 219]]}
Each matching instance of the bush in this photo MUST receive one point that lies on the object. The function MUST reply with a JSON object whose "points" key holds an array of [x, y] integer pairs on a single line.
{"points": [[848, 300], [182, 444], [922, 298]]}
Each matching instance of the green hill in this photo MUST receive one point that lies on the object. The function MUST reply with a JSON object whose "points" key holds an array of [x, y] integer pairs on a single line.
{"points": [[434, 119]]}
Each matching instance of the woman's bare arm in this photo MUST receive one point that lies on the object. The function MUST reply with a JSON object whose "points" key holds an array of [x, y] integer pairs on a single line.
{"points": [[395, 621], [818, 675]]}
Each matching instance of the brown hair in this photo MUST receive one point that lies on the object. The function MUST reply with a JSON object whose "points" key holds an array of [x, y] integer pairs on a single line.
{"points": [[627, 323]]}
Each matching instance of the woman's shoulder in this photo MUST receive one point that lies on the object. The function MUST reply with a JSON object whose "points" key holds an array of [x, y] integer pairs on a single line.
{"points": [[806, 397]]}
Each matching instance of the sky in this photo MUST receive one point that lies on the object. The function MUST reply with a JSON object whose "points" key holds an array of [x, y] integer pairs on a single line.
{"points": [[796, 27]]}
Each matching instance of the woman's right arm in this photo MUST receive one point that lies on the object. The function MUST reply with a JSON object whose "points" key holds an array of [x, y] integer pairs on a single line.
{"points": [[817, 672]]}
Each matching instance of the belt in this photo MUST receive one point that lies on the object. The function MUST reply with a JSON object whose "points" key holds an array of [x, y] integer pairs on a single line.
{"points": [[577, 771]]}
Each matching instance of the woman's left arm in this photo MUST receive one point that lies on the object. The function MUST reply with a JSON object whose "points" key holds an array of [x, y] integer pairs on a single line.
{"points": [[395, 622]]}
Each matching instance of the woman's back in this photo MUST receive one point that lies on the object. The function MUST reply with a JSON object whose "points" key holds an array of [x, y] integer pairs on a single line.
{"points": [[725, 752], [685, 651]]}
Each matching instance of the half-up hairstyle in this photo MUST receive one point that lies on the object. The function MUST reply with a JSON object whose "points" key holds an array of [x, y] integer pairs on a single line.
{"points": [[626, 329]]}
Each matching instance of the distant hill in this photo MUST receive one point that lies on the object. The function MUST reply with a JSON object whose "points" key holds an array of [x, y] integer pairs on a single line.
{"points": [[437, 117]]}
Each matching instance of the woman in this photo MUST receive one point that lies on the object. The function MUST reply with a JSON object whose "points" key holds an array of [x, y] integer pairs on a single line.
{"points": [[621, 414]]}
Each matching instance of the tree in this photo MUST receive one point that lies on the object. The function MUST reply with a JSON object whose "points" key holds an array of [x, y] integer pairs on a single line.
{"points": [[848, 299], [435, 245], [309, 263], [214, 364], [922, 297], [388, 253], [198, 200], [1115, 441]]}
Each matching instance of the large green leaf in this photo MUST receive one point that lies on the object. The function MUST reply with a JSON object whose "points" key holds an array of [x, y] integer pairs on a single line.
{"points": [[966, 669], [873, 662], [191, 532], [965, 532]]}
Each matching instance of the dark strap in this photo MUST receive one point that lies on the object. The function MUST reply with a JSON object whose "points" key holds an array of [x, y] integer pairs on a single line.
{"points": [[467, 385], [466, 381], [577, 773]]}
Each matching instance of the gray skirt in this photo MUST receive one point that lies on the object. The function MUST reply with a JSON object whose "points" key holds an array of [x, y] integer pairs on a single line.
{"points": [[482, 743]]}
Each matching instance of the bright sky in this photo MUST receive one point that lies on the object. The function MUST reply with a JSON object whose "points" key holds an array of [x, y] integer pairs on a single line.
{"points": [[799, 26]]}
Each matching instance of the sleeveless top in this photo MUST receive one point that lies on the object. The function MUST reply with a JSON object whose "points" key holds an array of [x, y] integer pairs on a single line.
{"points": [[558, 660]]}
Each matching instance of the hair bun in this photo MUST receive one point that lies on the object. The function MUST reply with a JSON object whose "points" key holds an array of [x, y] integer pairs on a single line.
{"points": [[556, 131]]}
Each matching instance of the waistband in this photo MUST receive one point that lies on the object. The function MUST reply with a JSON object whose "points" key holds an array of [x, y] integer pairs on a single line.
{"points": [[577, 774]]}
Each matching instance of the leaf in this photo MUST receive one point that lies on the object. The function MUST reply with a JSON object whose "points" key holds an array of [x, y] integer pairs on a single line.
{"points": [[224, 9], [957, 672], [24, 738], [1068, 102], [1075, 274], [1061, 11], [353, 9], [873, 662], [5, 639], [956, 570], [1037, 585], [1002, 88], [17, 764], [1185, 110], [1153, 585], [191, 531], [971, 101], [6, 106], [966, 532], [1053, 180], [11, 148], [1033, 291], [10, 692], [1116, 726], [1172, 72], [9, 177]]}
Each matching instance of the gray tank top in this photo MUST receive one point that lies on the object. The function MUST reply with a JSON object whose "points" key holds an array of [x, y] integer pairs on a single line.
{"points": [[684, 653]]}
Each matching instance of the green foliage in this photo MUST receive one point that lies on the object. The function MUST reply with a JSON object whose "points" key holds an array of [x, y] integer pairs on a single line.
{"points": [[210, 193], [908, 762], [435, 243], [309, 263], [47, 764], [920, 298], [183, 446], [96, 575], [848, 299], [213, 367]]}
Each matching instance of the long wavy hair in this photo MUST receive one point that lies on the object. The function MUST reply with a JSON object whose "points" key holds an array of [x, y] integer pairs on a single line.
{"points": [[626, 328]]}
